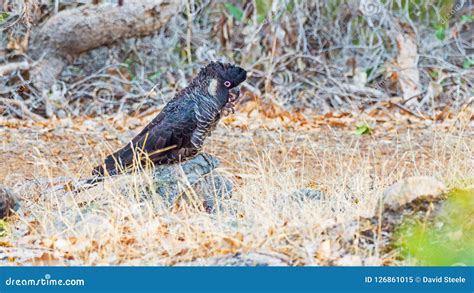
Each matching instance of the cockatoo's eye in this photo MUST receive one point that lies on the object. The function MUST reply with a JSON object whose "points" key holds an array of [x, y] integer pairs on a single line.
{"points": [[227, 83]]}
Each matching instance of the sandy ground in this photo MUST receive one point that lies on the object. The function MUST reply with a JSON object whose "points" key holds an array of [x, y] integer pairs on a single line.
{"points": [[268, 156]]}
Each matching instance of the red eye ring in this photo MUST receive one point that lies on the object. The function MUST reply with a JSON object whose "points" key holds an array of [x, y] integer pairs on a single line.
{"points": [[227, 83]]}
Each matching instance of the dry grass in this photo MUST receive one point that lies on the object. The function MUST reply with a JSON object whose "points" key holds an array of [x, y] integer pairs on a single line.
{"points": [[115, 226], [300, 57]]}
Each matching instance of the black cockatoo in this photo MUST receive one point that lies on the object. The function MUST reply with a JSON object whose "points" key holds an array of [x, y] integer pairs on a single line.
{"points": [[179, 130]]}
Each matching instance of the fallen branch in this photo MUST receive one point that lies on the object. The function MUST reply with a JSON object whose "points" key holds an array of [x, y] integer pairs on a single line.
{"points": [[21, 109], [10, 67], [383, 98], [403, 108], [354, 89], [74, 31]]}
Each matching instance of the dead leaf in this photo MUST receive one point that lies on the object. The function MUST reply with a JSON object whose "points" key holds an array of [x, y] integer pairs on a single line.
{"points": [[68, 256], [234, 243], [6, 244], [48, 242], [127, 240], [336, 123], [46, 259], [324, 250]]}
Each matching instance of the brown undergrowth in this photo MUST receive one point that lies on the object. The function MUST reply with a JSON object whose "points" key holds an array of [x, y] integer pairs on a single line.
{"points": [[269, 156]]}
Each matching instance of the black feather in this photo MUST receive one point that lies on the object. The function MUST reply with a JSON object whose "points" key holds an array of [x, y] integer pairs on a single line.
{"points": [[178, 131]]}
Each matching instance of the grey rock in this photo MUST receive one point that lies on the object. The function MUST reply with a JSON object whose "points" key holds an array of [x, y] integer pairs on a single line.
{"points": [[197, 181], [308, 193], [197, 176], [8, 202], [409, 189], [248, 259]]}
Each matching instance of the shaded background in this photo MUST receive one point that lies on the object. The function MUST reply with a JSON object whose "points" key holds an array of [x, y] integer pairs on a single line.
{"points": [[318, 55]]}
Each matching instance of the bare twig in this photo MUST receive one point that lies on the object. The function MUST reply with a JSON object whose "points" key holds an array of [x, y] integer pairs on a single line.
{"points": [[10, 67], [21, 109]]}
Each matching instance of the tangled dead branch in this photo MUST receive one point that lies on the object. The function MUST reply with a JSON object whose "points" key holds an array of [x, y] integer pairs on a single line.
{"points": [[296, 58]]}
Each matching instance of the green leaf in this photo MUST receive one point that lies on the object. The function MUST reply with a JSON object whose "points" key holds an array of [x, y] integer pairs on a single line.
{"points": [[467, 18], [369, 70], [440, 33], [290, 7], [434, 74], [444, 240], [130, 66], [262, 8], [467, 63], [260, 19], [364, 129], [3, 228], [235, 11], [154, 75], [4, 16]]}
